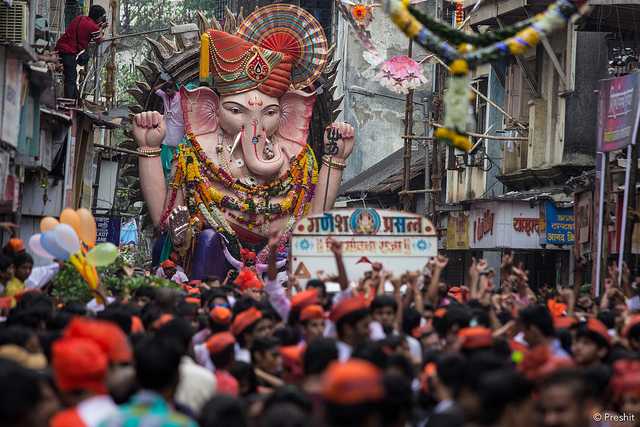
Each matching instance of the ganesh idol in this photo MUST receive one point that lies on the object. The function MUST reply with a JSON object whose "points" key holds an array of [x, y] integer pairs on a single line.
{"points": [[244, 168]]}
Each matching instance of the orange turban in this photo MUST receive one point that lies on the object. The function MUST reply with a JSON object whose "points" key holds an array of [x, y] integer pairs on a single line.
{"points": [[247, 279], [352, 382], [219, 342], [347, 306], [111, 339], [312, 312], [244, 320], [16, 245], [303, 299], [220, 315], [168, 264], [79, 364]]}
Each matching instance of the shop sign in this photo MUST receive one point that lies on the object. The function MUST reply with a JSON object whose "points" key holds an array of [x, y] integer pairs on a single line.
{"points": [[108, 229], [618, 112], [505, 224], [483, 225], [458, 231], [400, 241], [560, 225], [526, 225], [12, 102]]}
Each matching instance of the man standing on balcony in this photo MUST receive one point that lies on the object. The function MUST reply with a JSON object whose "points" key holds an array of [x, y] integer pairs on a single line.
{"points": [[80, 32]]}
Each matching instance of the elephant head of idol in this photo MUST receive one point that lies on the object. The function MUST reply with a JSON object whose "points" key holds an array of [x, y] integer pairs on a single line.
{"points": [[260, 104]]}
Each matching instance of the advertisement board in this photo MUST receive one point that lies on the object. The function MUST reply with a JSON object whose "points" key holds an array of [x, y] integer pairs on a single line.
{"points": [[618, 112]]}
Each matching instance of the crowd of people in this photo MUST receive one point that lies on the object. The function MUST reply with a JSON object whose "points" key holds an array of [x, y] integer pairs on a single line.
{"points": [[252, 350]]}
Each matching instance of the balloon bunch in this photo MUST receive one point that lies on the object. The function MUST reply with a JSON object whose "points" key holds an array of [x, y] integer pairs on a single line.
{"points": [[72, 238]]}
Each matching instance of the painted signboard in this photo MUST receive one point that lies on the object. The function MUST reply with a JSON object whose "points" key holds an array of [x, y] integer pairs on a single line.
{"points": [[458, 231], [504, 225], [400, 241], [618, 112], [108, 229], [560, 225]]}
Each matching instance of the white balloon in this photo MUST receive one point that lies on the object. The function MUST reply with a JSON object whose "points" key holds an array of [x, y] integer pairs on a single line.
{"points": [[67, 238], [36, 247]]}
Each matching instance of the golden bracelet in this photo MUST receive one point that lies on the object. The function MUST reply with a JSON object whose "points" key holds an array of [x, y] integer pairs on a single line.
{"points": [[330, 163], [149, 151], [333, 165]]}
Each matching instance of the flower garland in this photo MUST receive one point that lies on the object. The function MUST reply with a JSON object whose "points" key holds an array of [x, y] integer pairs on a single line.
{"points": [[472, 51], [456, 37], [196, 175]]}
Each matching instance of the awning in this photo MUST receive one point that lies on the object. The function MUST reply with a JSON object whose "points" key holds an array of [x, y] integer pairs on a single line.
{"points": [[385, 176], [557, 175], [55, 113]]}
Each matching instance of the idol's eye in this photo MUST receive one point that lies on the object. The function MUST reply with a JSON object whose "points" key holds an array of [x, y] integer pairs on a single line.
{"points": [[272, 113], [233, 108]]}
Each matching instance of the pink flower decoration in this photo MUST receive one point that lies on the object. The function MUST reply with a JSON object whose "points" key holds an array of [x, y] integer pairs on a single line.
{"points": [[400, 74]]}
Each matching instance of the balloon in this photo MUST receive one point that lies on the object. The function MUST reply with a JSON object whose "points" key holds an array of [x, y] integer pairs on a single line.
{"points": [[36, 247], [70, 217], [67, 238], [48, 223], [49, 243], [103, 254], [87, 227]]}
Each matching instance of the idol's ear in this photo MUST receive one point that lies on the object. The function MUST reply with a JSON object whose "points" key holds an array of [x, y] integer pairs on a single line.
{"points": [[200, 110], [296, 111]]}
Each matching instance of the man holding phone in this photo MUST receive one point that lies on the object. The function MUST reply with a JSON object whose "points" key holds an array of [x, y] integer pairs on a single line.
{"points": [[80, 32]]}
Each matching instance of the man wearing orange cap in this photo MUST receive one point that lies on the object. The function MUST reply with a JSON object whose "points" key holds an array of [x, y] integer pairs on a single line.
{"points": [[351, 317], [249, 284], [221, 348], [245, 329], [80, 370], [352, 392], [592, 343], [169, 270], [114, 344], [219, 321], [312, 319]]}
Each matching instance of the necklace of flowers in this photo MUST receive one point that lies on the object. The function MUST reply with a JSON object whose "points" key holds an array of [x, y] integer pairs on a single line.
{"points": [[272, 188], [203, 200]]}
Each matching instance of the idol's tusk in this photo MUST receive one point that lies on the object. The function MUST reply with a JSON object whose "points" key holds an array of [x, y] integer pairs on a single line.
{"points": [[235, 142]]}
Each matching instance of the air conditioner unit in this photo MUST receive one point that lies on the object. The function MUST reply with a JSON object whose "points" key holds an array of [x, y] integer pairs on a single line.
{"points": [[14, 22]]}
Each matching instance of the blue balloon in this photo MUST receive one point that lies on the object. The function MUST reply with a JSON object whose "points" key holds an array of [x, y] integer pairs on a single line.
{"points": [[49, 243]]}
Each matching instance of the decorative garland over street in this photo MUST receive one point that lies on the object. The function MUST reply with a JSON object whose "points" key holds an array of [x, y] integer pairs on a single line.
{"points": [[464, 52]]}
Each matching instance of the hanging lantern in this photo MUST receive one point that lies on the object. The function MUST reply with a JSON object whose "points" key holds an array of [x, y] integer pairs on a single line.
{"points": [[400, 74]]}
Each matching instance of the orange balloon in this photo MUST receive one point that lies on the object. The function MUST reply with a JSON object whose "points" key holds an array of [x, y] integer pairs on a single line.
{"points": [[70, 217], [47, 223], [87, 227]]}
